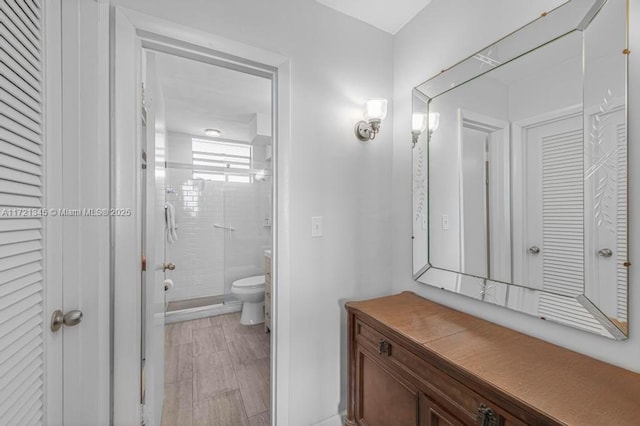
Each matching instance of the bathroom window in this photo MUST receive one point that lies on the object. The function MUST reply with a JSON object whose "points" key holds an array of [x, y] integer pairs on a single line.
{"points": [[222, 161]]}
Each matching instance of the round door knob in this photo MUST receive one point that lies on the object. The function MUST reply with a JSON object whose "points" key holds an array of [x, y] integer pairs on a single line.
{"points": [[170, 266], [605, 252], [534, 249], [70, 319]]}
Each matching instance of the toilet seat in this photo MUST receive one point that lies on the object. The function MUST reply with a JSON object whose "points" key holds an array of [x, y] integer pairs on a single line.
{"points": [[255, 282]]}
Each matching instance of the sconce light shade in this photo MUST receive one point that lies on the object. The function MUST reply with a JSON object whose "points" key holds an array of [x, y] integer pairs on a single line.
{"points": [[419, 122], [419, 125], [434, 121], [375, 109]]}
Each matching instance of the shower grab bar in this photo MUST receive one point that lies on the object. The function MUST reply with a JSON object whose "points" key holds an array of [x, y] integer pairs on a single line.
{"points": [[228, 228]]}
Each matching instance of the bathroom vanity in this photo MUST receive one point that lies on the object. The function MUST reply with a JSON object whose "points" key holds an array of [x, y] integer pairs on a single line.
{"points": [[415, 362]]}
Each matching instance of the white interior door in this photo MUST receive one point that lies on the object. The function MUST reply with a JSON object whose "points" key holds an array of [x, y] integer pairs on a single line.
{"points": [[551, 245], [47, 243], [84, 190], [475, 239], [127, 319], [485, 200], [553, 201], [606, 210], [23, 307], [153, 298]]}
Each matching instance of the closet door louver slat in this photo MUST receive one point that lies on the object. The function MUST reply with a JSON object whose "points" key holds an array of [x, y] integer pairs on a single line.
{"points": [[15, 80], [17, 92], [27, 27], [13, 48], [22, 316], [9, 113], [13, 29], [8, 98]]}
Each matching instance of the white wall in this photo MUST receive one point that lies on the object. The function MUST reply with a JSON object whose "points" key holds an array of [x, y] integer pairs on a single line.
{"points": [[441, 35], [337, 62], [179, 149]]}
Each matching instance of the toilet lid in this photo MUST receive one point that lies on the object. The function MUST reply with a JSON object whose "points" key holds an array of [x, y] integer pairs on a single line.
{"points": [[249, 282]]}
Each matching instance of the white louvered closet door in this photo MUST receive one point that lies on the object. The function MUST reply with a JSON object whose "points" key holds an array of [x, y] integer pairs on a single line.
{"points": [[556, 223], [607, 212], [22, 309]]}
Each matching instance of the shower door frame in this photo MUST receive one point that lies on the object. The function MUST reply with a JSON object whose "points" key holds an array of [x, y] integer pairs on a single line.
{"points": [[166, 37]]}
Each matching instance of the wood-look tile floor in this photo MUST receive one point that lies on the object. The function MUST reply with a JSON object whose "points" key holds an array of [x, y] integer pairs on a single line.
{"points": [[216, 373]]}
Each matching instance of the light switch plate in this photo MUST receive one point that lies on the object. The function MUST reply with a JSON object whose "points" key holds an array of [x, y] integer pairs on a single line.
{"points": [[316, 226], [445, 222]]}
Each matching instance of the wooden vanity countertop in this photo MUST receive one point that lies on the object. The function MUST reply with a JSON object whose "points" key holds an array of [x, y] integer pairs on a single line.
{"points": [[566, 386]]}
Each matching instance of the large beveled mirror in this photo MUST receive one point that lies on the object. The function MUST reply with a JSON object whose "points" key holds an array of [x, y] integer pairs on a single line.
{"points": [[520, 171]]}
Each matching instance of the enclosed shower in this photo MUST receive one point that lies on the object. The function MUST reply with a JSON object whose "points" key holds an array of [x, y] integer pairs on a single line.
{"points": [[223, 225]]}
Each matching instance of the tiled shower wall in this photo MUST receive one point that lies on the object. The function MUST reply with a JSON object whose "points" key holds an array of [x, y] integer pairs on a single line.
{"points": [[209, 259]]}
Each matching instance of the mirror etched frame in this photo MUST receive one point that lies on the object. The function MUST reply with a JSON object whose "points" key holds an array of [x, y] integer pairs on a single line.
{"points": [[577, 310]]}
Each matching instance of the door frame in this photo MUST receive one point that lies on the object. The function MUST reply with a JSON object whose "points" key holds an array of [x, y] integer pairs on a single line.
{"points": [[160, 35], [468, 119]]}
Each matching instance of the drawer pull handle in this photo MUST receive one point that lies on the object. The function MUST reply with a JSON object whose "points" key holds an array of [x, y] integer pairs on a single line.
{"points": [[384, 348], [486, 416]]}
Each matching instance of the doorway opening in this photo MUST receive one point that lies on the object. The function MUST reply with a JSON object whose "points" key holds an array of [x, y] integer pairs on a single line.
{"points": [[208, 192], [207, 164]]}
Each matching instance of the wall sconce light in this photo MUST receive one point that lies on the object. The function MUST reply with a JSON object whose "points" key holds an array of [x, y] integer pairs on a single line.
{"points": [[375, 112], [419, 125], [434, 122]]}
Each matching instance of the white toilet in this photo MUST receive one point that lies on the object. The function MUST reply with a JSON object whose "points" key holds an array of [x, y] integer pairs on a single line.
{"points": [[251, 291]]}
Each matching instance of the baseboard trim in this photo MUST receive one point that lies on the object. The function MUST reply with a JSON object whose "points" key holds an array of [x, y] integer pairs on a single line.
{"points": [[202, 312]]}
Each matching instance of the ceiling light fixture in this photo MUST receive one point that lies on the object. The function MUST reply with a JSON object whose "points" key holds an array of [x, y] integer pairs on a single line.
{"points": [[375, 111], [213, 133]]}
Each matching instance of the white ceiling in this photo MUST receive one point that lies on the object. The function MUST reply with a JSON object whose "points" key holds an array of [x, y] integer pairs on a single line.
{"points": [[387, 15], [199, 96]]}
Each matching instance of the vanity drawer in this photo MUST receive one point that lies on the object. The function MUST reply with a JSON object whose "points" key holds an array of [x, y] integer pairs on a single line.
{"points": [[452, 395]]}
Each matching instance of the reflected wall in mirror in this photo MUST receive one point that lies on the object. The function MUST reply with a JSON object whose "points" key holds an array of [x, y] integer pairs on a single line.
{"points": [[520, 192]]}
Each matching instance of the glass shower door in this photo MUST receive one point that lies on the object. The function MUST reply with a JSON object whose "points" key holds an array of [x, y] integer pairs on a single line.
{"points": [[247, 216], [198, 252]]}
